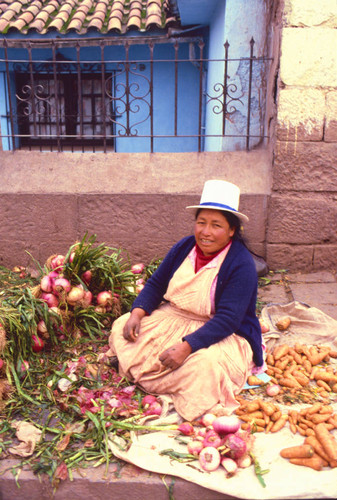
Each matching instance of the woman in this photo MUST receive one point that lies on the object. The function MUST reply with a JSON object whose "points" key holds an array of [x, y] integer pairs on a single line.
{"points": [[192, 332]]}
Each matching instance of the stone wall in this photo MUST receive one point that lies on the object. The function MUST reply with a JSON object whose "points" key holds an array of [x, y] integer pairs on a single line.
{"points": [[134, 201], [302, 215]]}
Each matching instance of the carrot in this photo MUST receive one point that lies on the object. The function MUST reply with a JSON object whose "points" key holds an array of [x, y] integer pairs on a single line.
{"points": [[279, 424], [283, 323], [297, 357], [319, 418], [267, 408], [315, 463], [327, 440], [301, 379], [276, 415], [316, 445], [282, 363], [301, 431], [293, 427], [280, 351], [252, 406], [326, 376], [307, 366], [326, 409], [309, 432], [253, 380], [288, 382], [299, 451], [314, 408], [323, 384], [270, 359], [333, 354]]}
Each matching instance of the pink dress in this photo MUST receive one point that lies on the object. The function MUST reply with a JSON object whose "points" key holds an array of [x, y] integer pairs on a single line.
{"points": [[207, 377]]}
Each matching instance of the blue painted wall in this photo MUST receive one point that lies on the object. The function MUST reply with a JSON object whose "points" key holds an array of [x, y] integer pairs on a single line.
{"points": [[139, 77]]}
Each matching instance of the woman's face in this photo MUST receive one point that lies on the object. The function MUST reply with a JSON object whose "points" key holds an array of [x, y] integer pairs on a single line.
{"points": [[212, 231]]}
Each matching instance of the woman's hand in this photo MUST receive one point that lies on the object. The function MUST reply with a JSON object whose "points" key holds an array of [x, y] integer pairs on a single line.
{"points": [[174, 356], [132, 326]]}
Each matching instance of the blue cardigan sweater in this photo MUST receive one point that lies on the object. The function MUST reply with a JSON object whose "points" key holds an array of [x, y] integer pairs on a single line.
{"points": [[235, 297]]}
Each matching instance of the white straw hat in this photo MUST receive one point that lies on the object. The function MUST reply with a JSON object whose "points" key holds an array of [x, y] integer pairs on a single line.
{"points": [[221, 195]]}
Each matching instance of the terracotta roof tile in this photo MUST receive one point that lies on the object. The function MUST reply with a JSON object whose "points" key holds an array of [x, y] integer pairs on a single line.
{"points": [[81, 15]]}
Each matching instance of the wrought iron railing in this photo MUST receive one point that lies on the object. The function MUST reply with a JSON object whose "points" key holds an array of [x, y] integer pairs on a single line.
{"points": [[58, 97]]}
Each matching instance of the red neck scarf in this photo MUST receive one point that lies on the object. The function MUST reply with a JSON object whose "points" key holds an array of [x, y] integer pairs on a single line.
{"points": [[201, 259]]}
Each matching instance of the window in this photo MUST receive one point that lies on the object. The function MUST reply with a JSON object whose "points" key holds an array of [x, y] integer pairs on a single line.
{"points": [[64, 109]]}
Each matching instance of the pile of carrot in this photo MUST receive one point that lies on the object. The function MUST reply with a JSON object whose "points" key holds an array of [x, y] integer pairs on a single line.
{"points": [[261, 416], [296, 367], [318, 450]]}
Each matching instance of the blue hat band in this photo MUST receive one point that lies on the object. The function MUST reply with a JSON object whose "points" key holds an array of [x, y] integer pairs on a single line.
{"points": [[219, 205]]}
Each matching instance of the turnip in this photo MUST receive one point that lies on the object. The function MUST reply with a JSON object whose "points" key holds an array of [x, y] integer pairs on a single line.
{"points": [[209, 458]]}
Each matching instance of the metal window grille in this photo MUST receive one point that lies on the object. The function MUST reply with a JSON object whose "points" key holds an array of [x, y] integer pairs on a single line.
{"points": [[56, 103]]}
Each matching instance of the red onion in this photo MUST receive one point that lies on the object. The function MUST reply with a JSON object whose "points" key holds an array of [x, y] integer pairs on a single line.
{"points": [[46, 284], [86, 277], [57, 262], [230, 466], [50, 299], [22, 367], [100, 309], [186, 428], [37, 343], [75, 295], [237, 446], [137, 268], [226, 424], [154, 409], [104, 298], [87, 299], [1, 363], [212, 438], [209, 459], [61, 286], [53, 275], [148, 399], [41, 327], [139, 288], [194, 447]]}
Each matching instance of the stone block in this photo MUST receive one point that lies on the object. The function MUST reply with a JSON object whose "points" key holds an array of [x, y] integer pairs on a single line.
{"points": [[315, 295], [315, 277], [304, 13], [325, 257], [301, 114], [38, 217], [290, 257], [302, 220], [314, 62], [330, 134], [306, 166]]}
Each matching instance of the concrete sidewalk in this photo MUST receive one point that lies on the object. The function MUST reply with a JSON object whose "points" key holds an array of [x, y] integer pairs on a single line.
{"points": [[315, 289]]}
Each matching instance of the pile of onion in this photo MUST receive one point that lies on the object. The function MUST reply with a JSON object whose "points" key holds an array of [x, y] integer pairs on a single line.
{"points": [[219, 442]]}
